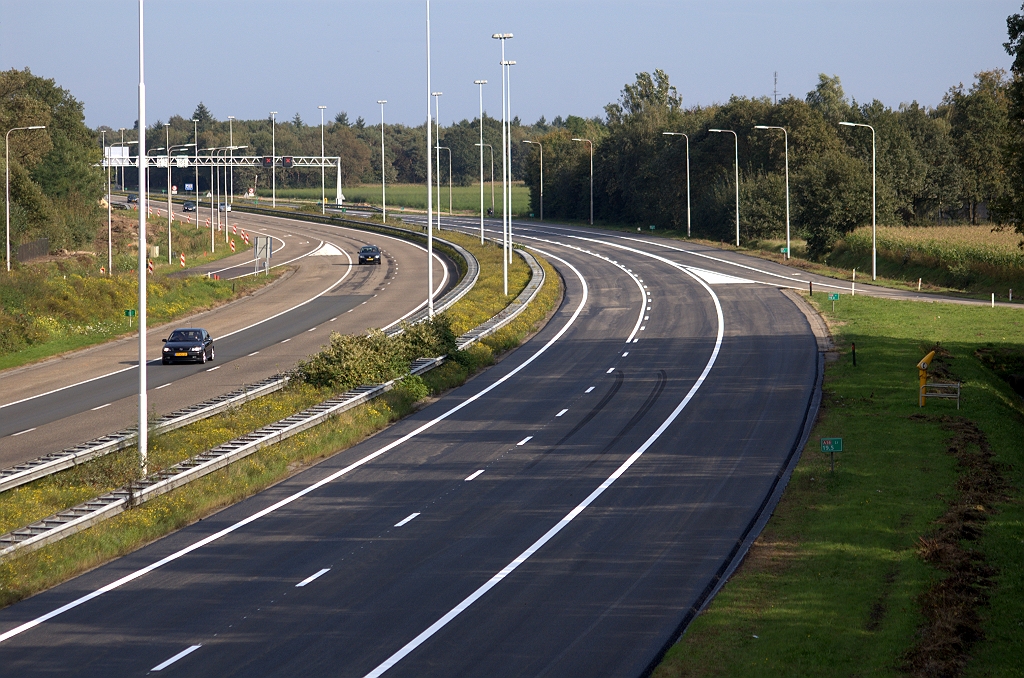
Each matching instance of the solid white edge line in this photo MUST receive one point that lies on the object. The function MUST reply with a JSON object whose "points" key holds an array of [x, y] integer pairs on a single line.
{"points": [[163, 386], [93, 409], [132, 576], [474, 476], [214, 368], [28, 430], [312, 577], [560, 525], [407, 519], [184, 653]]}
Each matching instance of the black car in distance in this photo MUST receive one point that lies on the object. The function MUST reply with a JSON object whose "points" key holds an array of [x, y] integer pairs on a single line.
{"points": [[369, 254], [188, 206], [188, 344]]}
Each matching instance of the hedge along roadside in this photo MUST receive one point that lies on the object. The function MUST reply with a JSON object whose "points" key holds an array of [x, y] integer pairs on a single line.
{"points": [[348, 361]]}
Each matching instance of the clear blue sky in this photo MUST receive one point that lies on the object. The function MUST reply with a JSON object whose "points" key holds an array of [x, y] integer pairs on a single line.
{"points": [[246, 58]]}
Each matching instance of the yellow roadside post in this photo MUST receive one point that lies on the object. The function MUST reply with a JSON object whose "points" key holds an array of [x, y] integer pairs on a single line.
{"points": [[922, 374]]}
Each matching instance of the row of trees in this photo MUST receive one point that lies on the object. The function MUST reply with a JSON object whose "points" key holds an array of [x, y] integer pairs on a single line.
{"points": [[933, 164], [55, 187]]}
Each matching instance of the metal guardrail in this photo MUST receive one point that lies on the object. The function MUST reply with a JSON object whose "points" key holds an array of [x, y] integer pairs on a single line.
{"points": [[67, 522], [946, 390], [72, 456], [53, 462]]}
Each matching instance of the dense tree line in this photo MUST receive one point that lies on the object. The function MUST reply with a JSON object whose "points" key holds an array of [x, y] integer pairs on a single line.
{"points": [[934, 165], [55, 187]]}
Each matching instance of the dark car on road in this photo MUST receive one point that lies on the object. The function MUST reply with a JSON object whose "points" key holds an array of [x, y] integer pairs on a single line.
{"points": [[132, 197], [188, 344], [188, 206], [370, 254]]}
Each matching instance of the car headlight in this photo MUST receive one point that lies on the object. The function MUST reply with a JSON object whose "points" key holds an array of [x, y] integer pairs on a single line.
{"points": [[196, 348], [166, 350]]}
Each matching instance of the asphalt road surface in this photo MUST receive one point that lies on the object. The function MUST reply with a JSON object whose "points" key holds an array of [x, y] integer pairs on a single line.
{"points": [[561, 514], [68, 400]]}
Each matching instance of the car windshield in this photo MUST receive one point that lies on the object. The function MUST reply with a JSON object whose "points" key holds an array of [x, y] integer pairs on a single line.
{"points": [[185, 335], [368, 250]]}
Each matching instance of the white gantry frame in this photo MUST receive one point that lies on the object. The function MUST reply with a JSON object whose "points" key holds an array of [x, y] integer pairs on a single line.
{"points": [[253, 161]]}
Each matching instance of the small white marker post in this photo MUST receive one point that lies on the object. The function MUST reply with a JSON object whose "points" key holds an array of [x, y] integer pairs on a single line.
{"points": [[993, 300]]}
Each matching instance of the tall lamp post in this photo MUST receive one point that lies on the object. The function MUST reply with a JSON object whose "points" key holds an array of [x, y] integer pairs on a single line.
{"points": [[195, 131], [504, 162], [323, 181], [786, 139], [106, 161], [508, 102], [7, 170], [680, 134], [481, 83], [121, 129], [430, 199], [588, 141], [273, 167], [437, 151], [874, 249], [383, 181], [169, 213], [143, 430], [445, 148], [541, 147], [492, 171], [231, 163], [736, 139]]}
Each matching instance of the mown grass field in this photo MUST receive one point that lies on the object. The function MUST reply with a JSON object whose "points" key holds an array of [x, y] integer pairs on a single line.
{"points": [[906, 560], [26, 574], [464, 198]]}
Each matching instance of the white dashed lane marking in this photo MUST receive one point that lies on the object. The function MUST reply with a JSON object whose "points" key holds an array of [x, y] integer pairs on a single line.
{"points": [[589, 389], [312, 577], [405, 520], [100, 407], [562, 412], [524, 441], [474, 475]]}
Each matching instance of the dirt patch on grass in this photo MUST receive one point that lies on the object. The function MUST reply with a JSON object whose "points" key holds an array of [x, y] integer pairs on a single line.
{"points": [[952, 605]]}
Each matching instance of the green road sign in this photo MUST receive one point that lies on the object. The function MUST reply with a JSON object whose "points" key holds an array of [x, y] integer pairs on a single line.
{"points": [[830, 445], [784, 250], [833, 296], [652, 227], [129, 313]]}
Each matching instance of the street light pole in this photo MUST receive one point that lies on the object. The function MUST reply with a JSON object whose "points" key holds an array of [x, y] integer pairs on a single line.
{"points": [[504, 163], [121, 129], [143, 162], [680, 134], [736, 139], [481, 84], [508, 99], [430, 199], [786, 139], [437, 151], [195, 129], [383, 181], [588, 141], [231, 164], [491, 179], [273, 166], [874, 248], [106, 161], [541, 147], [7, 170], [445, 148], [167, 145], [323, 181]]}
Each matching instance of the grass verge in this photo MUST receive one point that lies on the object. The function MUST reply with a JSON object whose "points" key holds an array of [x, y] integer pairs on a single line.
{"points": [[907, 559], [65, 304], [29, 573]]}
